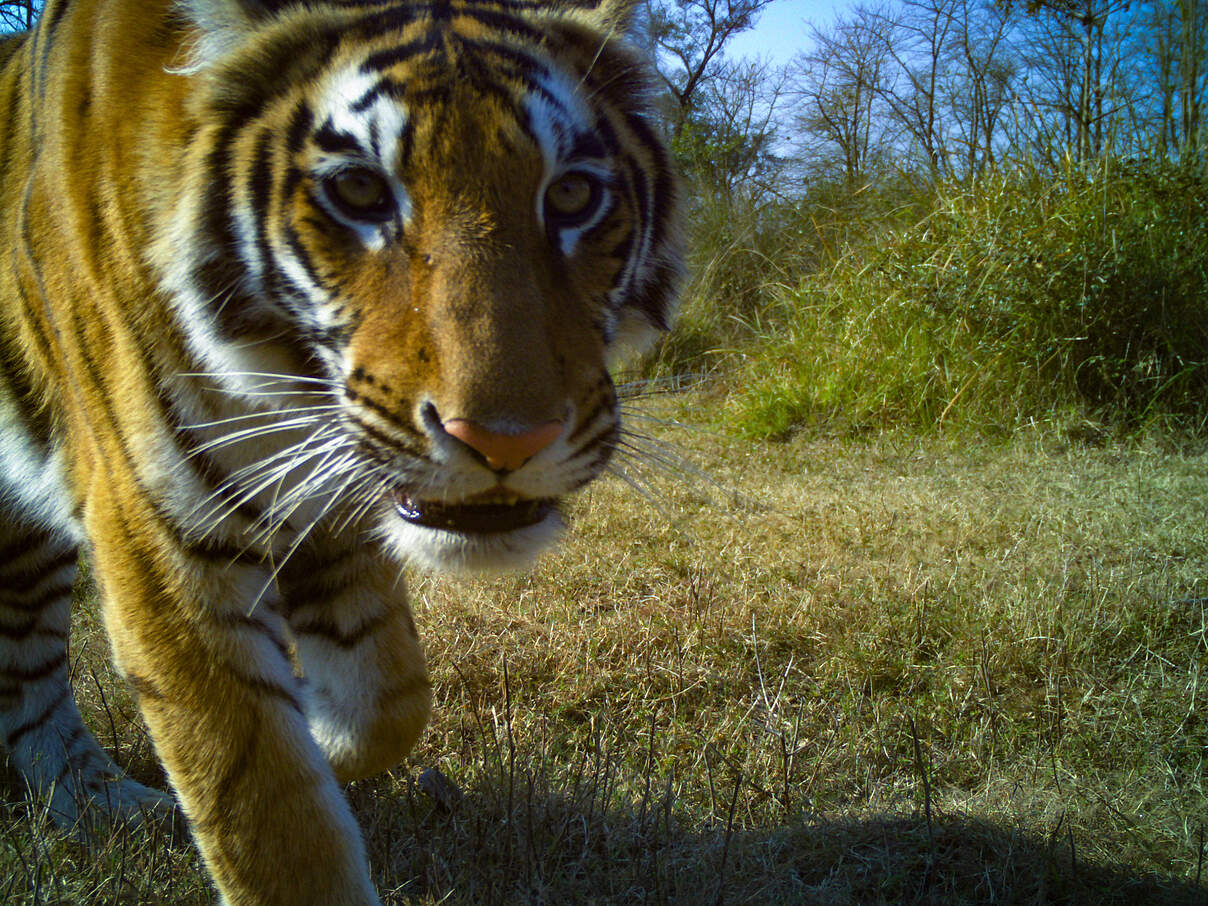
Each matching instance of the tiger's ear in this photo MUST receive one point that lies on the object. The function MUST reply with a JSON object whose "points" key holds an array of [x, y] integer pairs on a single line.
{"points": [[222, 24], [217, 15], [624, 17]]}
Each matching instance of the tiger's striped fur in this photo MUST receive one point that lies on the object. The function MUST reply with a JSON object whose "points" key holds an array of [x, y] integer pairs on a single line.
{"points": [[290, 291]]}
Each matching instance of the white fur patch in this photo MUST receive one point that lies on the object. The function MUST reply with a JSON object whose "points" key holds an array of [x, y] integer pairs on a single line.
{"points": [[35, 483]]}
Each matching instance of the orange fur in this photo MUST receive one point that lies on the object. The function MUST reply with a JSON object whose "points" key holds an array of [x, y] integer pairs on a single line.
{"points": [[158, 166]]}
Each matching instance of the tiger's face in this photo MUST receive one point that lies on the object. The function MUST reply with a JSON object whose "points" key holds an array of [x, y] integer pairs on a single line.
{"points": [[453, 226]]}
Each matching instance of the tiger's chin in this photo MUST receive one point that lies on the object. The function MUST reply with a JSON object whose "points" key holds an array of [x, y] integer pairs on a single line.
{"points": [[472, 538]]}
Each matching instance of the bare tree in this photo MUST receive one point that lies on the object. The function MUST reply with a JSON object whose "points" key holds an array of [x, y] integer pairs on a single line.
{"points": [[729, 142], [690, 37], [1075, 68], [18, 15], [917, 36], [981, 92], [838, 89], [1178, 49]]}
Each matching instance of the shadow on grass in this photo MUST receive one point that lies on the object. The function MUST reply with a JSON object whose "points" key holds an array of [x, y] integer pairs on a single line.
{"points": [[511, 843]]}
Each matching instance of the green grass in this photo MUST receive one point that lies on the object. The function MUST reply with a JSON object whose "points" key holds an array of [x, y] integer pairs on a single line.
{"points": [[899, 668], [1021, 298]]}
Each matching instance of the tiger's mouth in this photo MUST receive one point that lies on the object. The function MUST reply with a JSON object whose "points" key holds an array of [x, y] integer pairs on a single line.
{"points": [[478, 518]]}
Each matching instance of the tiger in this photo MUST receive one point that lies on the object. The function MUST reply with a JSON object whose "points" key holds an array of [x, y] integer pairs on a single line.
{"points": [[297, 296]]}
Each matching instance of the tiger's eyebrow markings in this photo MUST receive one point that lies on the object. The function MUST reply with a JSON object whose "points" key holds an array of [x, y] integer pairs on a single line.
{"points": [[299, 127], [335, 141], [589, 145], [384, 87]]}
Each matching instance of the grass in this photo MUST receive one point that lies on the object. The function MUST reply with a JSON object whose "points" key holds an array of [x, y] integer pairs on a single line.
{"points": [[899, 668], [1017, 297]]}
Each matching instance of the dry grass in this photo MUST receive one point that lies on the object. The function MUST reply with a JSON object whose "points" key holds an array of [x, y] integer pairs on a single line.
{"points": [[893, 670]]}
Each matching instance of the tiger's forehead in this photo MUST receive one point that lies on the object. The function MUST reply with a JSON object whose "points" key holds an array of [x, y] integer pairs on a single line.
{"points": [[383, 99], [351, 105]]}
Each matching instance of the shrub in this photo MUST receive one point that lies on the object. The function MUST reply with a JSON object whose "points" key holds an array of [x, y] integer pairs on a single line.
{"points": [[745, 250], [1020, 297]]}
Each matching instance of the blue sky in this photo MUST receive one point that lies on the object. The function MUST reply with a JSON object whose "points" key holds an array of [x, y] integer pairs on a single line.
{"points": [[782, 29]]}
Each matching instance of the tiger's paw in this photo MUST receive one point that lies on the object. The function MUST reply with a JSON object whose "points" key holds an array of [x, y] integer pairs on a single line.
{"points": [[92, 806]]}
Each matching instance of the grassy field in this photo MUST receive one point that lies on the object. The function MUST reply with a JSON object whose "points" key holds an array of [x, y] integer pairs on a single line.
{"points": [[897, 669]]}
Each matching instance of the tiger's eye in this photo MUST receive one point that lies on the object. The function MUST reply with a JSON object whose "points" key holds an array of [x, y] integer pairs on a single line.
{"points": [[571, 196], [361, 193]]}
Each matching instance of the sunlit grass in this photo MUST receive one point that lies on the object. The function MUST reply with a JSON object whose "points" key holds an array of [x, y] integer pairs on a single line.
{"points": [[894, 669]]}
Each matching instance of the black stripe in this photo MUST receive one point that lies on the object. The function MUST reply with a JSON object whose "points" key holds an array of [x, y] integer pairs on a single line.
{"points": [[257, 626], [525, 65], [327, 629], [294, 299], [17, 633], [289, 184], [661, 178], [52, 15], [294, 243], [210, 475], [228, 781], [23, 545], [42, 601], [40, 672], [32, 576], [406, 142], [9, 134], [590, 145], [407, 687], [652, 295], [34, 722], [30, 319], [305, 582], [594, 466], [389, 446], [259, 684], [607, 433], [265, 687], [375, 143], [143, 687], [385, 413], [499, 21], [602, 130], [484, 81], [17, 372], [642, 185], [300, 123], [44, 40], [280, 70], [605, 402], [71, 762], [590, 424], [623, 248], [381, 60], [260, 186], [335, 141], [397, 18], [201, 549], [236, 314]]}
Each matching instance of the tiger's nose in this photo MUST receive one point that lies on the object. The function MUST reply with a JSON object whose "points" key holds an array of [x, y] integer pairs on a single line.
{"points": [[504, 452]]}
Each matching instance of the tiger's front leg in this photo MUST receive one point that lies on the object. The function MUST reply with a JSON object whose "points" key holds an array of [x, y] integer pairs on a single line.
{"points": [[218, 692], [367, 693]]}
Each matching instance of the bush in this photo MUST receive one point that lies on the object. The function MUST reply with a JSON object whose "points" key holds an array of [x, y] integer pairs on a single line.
{"points": [[744, 251], [1021, 297]]}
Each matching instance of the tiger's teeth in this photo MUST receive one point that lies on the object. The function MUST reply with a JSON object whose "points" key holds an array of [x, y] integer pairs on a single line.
{"points": [[504, 497]]}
